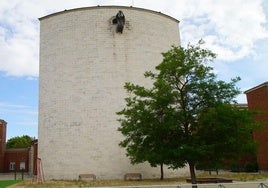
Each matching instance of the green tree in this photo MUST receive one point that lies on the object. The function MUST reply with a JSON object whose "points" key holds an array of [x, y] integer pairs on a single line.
{"points": [[19, 142], [225, 134], [147, 126], [192, 94]]}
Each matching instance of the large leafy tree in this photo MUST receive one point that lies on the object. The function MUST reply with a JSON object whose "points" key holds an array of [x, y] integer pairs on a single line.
{"points": [[19, 142], [181, 107], [148, 126]]}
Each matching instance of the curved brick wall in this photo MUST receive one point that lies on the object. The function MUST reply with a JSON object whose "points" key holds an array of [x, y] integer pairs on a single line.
{"points": [[84, 64]]}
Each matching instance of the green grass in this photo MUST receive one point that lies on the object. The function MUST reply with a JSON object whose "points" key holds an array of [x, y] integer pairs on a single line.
{"points": [[6, 183]]}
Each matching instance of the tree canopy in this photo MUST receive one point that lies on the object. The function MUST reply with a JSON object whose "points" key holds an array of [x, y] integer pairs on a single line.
{"points": [[187, 116], [19, 142]]}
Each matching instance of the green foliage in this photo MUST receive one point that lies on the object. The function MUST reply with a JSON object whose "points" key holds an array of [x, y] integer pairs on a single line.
{"points": [[148, 126], [187, 117], [251, 167], [19, 142], [225, 134]]}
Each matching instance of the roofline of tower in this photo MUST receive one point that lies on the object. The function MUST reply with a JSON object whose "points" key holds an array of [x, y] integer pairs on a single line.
{"points": [[107, 7]]}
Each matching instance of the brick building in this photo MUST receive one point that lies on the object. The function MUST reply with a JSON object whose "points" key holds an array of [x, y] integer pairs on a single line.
{"points": [[257, 98], [16, 159], [3, 125], [19, 159]]}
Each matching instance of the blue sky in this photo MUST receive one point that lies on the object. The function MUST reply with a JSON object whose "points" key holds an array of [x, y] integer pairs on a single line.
{"points": [[237, 30]]}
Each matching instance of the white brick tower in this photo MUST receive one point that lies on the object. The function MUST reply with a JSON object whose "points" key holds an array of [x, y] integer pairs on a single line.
{"points": [[84, 63]]}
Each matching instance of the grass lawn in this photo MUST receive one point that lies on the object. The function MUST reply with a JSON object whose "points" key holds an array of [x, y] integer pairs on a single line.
{"points": [[6, 183], [181, 180]]}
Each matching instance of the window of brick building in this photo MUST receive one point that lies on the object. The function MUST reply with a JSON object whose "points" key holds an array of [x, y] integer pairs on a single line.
{"points": [[12, 166], [22, 165]]}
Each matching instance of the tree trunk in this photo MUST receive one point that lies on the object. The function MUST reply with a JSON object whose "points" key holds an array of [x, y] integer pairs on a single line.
{"points": [[162, 171], [193, 177]]}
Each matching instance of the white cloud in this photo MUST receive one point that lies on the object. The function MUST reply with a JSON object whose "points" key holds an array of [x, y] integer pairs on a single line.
{"points": [[19, 38], [7, 105], [18, 109], [27, 123], [229, 27]]}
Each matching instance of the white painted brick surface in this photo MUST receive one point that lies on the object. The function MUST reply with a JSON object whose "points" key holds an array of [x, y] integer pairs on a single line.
{"points": [[84, 64]]}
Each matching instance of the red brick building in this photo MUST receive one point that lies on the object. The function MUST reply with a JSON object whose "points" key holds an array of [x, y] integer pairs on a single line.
{"points": [[17, 159], [3, 126], [257, 98], [22, 159]]}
